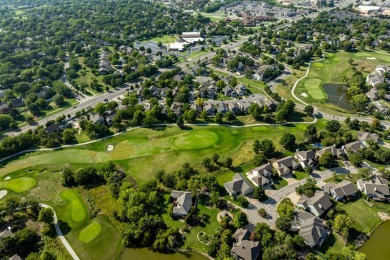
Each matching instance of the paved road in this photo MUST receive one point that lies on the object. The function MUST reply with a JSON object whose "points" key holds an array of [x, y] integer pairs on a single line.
{"points": [[271, 203], [60, 235]]}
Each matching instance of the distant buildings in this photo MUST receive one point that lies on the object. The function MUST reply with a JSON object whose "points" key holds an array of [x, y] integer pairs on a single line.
{"points": [[377, 189], [186, 39]]}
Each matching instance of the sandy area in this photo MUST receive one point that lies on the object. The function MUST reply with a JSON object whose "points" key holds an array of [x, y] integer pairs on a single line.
{"points": [[110, 147], [7, 178], [3, 193], [383, 216], [303, 94], [371, 58]]}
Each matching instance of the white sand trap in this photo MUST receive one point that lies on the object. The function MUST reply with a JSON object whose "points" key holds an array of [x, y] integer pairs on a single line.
{"points": [[110, 147], [371, 58], [3, 193], [303, 94], [7, 178]]}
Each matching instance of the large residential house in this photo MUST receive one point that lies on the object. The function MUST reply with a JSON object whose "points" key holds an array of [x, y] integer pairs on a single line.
{"points": [[104, 63], [261, 175], [317, 205], [241, 90], [364, 136], [377, 76], [306, 158], [17, 102], [341, 190], [96, 119], [353, 147], [239, 185], [4, 108], [312, 229], [182, 201], [244, 248], [377, 189], [285, 165], [331, 149]]}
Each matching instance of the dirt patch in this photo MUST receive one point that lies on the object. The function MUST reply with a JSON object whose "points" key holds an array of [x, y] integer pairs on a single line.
{"points": [[110, 147], [3, 193], [384, 216]]}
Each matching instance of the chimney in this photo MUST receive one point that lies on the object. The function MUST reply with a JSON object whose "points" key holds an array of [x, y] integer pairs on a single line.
{"points": [[375, 189]]}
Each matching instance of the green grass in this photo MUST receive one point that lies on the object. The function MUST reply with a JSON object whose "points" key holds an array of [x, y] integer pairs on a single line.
{"points": [[300, 175], [19, 185], [279, 183], [141, 151], [334, 241], [365, 218], [214, 17], [90, 232], [197, 53], [335, 69], [164, 39], [76, 209]]}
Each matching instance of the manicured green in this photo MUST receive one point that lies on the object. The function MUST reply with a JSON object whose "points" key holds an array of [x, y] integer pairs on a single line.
{"points": [[90, 232], [76, 209], [365, 218], [164, 39], [335, 69], [18, 185], [196, 139]]}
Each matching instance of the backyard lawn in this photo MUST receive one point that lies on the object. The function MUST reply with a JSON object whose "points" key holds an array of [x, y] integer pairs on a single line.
{"points": [[164, 39], [300, 175]]}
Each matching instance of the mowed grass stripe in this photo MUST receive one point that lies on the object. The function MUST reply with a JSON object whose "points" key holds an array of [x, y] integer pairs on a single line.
{"points": [[19, 185], [78, 212], [90, 232]]}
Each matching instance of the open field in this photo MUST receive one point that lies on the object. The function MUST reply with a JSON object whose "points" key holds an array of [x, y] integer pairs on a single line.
{"points": [[142, 152], [164, 39], [214, 17], [335, 69], [18, 185]]}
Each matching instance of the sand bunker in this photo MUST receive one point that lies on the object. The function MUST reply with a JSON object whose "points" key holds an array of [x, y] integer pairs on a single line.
{"points": [[3, 193], [371, 58], [110, 147], [7, 178], [303, 94]]}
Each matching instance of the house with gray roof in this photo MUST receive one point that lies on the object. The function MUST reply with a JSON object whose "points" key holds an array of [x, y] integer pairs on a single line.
{"points": [[239, 185], [260, 176], [331, 149], [96, 119], [353, 147], [317, 205], [244, 105], [372, 94], [182, 201], [234, 108], [285, 165], [209, 108], [244, 248], [341, 190], [6, 233], [364, 136], [312, 229], [15, 257], [17, 102], [4, 108], [377, 189], [306, 158], [221, 107]]}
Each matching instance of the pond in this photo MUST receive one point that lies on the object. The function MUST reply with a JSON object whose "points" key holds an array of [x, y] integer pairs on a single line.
{"points": [[337, 95], [144, 253], [377, 247]]}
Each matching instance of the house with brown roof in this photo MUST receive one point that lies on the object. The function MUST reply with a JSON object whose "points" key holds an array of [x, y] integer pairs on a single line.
{"points": [[244, 248], [285, 165], [6, 233], [341, 190], [353, 147], [364, 136], [331, 149], [317, 205], [377, 189]]}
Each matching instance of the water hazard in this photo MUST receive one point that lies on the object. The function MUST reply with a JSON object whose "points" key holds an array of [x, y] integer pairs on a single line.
{"points": [[338, 95]]}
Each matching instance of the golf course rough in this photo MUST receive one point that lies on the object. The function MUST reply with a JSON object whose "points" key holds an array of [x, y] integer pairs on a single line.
{"points": [[19, 185], [78, 210], [90, 232]]}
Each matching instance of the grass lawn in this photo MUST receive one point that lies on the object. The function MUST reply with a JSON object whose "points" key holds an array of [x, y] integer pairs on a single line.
{"points": [[90, 232], [254, 85], [141, 151], [76, 211], [279, 183], [214, 17], [19, 185], [164, 39], [197, 53], [335, 69], [300, 175], [334, 241], [365, 218]]}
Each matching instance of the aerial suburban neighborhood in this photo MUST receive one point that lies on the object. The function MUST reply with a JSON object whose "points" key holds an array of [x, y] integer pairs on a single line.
{"points": [[194, 129]]}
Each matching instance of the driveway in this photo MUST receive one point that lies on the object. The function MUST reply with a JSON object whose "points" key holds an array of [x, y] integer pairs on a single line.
{"points": [[278, 195]]}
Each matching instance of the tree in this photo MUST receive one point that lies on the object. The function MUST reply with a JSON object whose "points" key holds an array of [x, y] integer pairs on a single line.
{"points": [[311, 133], [218, 117], [356, 159], [180, 122], [342, 224], [138, 117], [46, 215], [207, 163], [230, 116], [267, 147], [191, 116], [333, 126], [215, 158], [240, 219], [326, 159], [259, 193], [260, 159], [59, 100], [359, 102], [262, 212], [67, 177], [263, 233], [283, 223], [5, 121], [309, 110], [308, 189], [288, 141], [256, 146], [229, 162]]}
